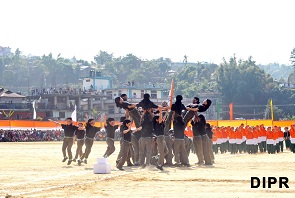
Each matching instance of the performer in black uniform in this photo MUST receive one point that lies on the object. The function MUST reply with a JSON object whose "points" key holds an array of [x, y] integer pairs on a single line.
{"points": [[130, 110], [110, 130], [80, 136], [69, 131], [200, 108], [125, 149], [161, 145], [91, 131]]}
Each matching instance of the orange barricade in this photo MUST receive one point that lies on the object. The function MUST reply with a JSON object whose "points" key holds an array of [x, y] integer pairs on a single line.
{"points": [[212, 122], [259, 122], [232, 123], [283, 123], [4, 124], [26, 124]]}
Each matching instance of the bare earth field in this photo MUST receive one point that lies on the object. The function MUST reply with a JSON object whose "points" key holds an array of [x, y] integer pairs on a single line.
{"points": [[36, 170]]}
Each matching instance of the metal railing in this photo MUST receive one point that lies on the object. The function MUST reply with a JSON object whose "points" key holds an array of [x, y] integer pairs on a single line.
{"points": [[16, 106]]}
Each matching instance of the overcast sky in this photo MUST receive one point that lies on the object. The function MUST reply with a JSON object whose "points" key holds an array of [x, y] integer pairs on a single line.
{"points": [[205, 30]]}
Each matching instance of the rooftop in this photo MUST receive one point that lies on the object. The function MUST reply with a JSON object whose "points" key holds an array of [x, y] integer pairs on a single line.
{"points": [[4, 93]]}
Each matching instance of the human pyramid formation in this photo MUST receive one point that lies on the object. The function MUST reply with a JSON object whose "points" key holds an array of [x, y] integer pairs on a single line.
{"points": [[152, 141], [155, 124], [155, 142]]}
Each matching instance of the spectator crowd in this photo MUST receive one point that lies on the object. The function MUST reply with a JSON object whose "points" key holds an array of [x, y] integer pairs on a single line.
{"points": [[33, 135]]}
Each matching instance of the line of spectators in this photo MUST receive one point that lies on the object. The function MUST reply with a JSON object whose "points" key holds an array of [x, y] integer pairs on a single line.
{"points": [[34, 135], [30, 135], [64, 90]]}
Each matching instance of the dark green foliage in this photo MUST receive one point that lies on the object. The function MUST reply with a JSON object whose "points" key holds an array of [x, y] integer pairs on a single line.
{"points": [[245, 85], [240, 82]]}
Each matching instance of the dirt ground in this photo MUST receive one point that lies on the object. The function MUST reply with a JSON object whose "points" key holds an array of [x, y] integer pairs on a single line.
{"points": [[36, 170]]}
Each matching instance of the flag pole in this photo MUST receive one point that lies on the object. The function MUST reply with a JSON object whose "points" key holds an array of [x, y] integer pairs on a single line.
{"points": [[34, 109], [231, 113], [74, 114], [271, 109]]}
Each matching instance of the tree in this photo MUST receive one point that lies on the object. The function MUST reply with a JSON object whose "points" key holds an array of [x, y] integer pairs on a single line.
{"points": [[249, 88], [195, 78], [277, 71], [242, 83], [66, 72], [103, 58]]}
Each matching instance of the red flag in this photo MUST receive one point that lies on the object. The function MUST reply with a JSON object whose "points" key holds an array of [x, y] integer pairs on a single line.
{"points": [[231, 112]]}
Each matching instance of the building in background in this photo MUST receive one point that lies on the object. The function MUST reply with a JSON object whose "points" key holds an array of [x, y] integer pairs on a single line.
{"points": [[95, 97], [15, 106], [93, 79], [135, 92]]}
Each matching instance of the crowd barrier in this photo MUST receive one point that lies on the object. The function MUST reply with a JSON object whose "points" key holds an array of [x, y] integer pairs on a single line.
{"points": [[29, 124]]}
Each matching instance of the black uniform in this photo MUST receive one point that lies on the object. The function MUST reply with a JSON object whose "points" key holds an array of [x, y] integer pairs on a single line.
{"points": [[110, 130], [146, 139], [90, 135], [161, 144], [69, 131], [125, 148], [134, 114], [80, 136]]}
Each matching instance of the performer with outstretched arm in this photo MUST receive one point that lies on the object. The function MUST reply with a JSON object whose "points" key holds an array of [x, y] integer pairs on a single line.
{"points": [[130, 110], [68, 141], [146, 103], [158, 125], [179, 127], [110, 128], [80, 138], [199, 107], [125, 149], [91, 131]]}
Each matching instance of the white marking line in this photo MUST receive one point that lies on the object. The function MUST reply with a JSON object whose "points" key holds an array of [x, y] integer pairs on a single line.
{"points": [[67, 185]]}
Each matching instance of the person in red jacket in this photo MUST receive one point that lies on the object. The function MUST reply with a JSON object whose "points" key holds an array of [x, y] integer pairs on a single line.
{"points": [[239, 139], [281, 139], [263, 137], [215, 139], [249, 141], [232, 140], [292, 137], [269, 140], [255, 139], [276, 140]]}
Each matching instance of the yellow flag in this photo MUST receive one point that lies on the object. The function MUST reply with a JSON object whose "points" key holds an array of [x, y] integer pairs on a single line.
{"points": [[271, 109]]}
